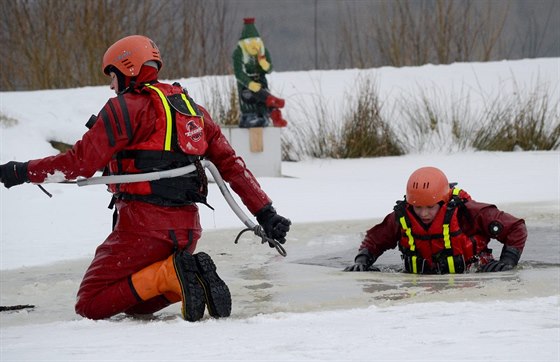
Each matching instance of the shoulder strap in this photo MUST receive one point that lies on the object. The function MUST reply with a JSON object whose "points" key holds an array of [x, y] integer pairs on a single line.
{"points": [[399, 208]]}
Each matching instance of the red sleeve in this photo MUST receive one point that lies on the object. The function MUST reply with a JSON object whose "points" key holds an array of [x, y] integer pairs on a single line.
{"points": [[232, 167], [383, 236], [488, 220], [116, 123]]}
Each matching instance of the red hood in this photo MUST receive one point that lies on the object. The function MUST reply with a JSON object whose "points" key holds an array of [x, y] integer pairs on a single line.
{"points": [[147, 74]]}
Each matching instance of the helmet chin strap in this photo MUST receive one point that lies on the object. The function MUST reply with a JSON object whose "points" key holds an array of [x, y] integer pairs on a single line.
{"points": [[148, 73], [123, 88]]}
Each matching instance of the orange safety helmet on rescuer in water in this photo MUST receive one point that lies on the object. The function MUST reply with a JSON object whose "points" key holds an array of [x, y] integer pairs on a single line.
{"points": [[426, 187], [129, 54]]}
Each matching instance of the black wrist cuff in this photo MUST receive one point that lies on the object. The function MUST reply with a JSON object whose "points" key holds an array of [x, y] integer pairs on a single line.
{"points": [[21, 169], [510, 255], [365, 254], [265, 213]]}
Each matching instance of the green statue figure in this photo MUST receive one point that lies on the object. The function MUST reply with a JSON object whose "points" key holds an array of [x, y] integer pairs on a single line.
{"points": [[251, 63]]}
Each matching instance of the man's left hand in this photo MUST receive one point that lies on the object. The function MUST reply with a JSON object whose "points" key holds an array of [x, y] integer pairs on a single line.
{"points": [[496, 266], [508, 260], [275, 226]]}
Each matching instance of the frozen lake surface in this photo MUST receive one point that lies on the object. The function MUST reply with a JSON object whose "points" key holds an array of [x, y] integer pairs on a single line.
{"points": [[310, 278]]}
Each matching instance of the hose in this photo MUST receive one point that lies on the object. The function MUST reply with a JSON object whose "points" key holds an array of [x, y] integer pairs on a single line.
{"points": [[151, 176]]}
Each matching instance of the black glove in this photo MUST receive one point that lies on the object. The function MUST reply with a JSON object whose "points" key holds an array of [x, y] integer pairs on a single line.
{"points": [[275, 226], [362, 262], [508, 260], [13, 173]]}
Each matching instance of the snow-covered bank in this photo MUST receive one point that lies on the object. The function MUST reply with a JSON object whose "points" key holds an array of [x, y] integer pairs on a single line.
{"points": [[301, 307]]}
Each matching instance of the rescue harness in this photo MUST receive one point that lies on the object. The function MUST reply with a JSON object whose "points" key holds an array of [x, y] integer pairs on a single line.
{"points": [[436, 249], [178, 141]]}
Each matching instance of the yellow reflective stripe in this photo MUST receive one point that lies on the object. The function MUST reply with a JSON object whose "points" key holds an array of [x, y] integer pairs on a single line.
{"points": [[456, 191], [446, 238], [408, 232], [169, 119], [189, 106], [451, 264], [447, 243], [414, 264]]}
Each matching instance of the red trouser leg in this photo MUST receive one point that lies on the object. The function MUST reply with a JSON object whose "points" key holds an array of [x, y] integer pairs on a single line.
{"points": [[106, 289]]}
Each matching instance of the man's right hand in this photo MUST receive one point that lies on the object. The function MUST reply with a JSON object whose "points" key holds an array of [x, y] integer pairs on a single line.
{"points": [[362, 262], [13, 173]]}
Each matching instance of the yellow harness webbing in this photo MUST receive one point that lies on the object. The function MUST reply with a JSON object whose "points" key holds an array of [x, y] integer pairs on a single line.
{"points": [[408, 232], [447, 238], [168, 118], [168, 115]]}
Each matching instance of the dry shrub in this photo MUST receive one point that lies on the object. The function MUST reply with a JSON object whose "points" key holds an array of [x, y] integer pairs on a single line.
{"points": [[221, 98], [525, 122], [365, 133]]}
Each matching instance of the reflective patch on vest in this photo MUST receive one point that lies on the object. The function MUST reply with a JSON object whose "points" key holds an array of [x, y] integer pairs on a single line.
{"points": [[193, 131]]}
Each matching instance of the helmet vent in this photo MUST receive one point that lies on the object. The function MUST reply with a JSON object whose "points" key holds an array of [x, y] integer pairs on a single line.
{"points": [[127, 63], [416, 185]]}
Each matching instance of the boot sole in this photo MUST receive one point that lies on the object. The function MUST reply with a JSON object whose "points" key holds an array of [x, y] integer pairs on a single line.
{"points": [[216, 292], [192, 292]]}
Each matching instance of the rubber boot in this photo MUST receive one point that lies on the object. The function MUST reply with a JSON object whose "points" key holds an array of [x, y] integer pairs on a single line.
{"points": [[274, 102], [277, 120], [216, 292], [174, 275]]}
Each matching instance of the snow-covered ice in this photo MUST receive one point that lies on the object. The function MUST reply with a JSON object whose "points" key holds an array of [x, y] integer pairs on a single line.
{"points": [[302, 307]]}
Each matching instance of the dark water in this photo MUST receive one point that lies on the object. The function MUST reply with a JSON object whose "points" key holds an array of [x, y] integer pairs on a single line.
{"points": [[542, 249]]}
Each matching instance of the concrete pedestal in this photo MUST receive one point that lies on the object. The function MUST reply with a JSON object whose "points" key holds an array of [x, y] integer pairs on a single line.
{"points": [[260, 148]]}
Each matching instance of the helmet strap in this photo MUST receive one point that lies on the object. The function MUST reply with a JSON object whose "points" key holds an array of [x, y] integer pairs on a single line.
{"points": [[122, 83]]}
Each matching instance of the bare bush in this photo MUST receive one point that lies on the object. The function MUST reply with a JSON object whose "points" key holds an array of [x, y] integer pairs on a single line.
{"points": [[433, 121], [314, 133], [365, 133], [362, 133], [221, 99], [405, 33], [525, 122], [49, 44], [428, 121]]}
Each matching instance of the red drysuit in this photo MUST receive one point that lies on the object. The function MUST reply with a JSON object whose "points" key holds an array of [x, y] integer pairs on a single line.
{"points": [[144, 233], [479, 222]]}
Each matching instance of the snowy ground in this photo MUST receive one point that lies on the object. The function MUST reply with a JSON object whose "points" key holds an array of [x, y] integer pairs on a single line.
{"points": [[302, 307]]}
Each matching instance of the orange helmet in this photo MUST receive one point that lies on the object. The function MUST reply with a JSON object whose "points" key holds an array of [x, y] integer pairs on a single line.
{"points": [[426, 187], [128, 55]]}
